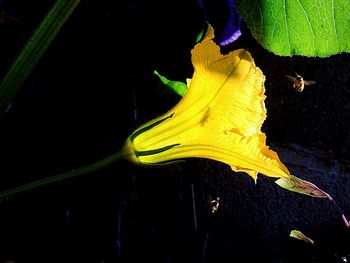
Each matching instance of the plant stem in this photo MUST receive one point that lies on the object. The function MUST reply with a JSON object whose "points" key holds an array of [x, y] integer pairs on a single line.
{"points": [[34, 50], [63, 176], [205, 247], [194, 208]]}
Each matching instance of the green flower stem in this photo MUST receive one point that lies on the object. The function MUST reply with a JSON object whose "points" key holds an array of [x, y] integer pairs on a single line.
{"points": [[63, 176], [34, 50]]}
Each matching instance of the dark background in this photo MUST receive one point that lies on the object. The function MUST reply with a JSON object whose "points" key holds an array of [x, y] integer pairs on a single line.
{"points": [[95, 85]]}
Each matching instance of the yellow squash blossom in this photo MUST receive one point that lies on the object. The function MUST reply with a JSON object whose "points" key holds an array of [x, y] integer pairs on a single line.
{"points": [[219, 118]]}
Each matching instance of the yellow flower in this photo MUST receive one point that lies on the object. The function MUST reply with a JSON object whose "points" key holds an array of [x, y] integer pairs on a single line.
{"points": [[219, 117]]}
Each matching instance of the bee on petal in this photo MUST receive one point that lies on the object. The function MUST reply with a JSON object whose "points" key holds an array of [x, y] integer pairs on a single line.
{"points": [[299, 83]]}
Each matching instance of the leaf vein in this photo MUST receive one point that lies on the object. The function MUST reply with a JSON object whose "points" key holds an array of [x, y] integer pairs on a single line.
{"points": [[334, 27], [308, 21], [285, 19]]}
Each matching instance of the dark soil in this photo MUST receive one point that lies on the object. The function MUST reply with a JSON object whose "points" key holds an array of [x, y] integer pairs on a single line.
{"points": [[95, 85]]}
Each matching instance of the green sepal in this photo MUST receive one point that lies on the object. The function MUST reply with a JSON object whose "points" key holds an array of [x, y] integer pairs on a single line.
{"points": [[178, 87], [148, 127], [155, 151]]}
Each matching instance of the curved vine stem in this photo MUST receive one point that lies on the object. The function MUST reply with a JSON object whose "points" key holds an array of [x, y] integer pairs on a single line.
{"points": [[63, 176]]}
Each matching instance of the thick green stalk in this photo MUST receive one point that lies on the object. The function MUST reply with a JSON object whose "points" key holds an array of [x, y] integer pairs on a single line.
{"points": [[34, 50], [63, 176]]}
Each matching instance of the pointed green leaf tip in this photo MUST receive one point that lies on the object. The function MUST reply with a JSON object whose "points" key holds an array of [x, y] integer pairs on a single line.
{"points": [[302, 27], [201, 34], [300, 186], [178, 87]]}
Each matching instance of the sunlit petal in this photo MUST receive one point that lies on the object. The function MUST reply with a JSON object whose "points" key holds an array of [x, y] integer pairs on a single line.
{"points": [[219, 118]]}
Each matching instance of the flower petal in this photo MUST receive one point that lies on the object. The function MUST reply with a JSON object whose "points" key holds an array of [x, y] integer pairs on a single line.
{"points": [[232, 84], [219, 117], [299, 235], [232, 29], [300, 186]]}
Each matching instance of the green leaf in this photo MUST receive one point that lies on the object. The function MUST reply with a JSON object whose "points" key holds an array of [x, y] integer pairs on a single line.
{"points": [[178, 87], [299, 27], [201, 34], [33, 50]]}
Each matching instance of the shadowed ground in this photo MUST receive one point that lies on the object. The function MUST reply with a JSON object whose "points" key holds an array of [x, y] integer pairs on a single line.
{"points": [[95, 85]]}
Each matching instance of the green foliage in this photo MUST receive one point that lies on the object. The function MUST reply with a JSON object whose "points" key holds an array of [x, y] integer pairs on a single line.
{"points": [[33, 50], [299, 27], [178, 87]]}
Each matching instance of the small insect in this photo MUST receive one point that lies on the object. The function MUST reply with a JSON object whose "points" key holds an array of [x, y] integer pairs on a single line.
{"points": [[299, 83], [214, 204]]}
